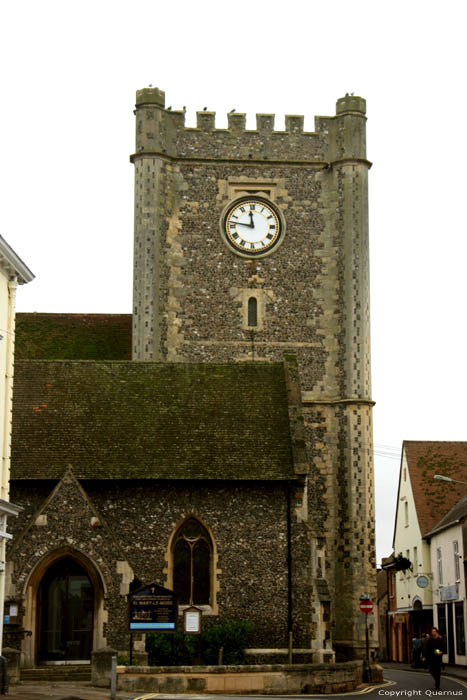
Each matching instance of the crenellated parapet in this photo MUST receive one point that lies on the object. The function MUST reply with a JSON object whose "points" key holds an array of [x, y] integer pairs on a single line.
{"points": [[162, 131]]}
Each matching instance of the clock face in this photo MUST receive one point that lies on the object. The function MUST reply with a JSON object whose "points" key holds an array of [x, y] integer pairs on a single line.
{"points": [[252, 227]]}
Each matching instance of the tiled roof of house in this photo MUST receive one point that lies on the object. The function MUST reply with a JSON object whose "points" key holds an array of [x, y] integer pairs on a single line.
{"points": [[455, 515], [433, 499], [145, 420], [43, 336]]}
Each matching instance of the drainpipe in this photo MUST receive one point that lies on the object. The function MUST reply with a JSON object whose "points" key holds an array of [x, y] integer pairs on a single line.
{"points": [[289, 573]]}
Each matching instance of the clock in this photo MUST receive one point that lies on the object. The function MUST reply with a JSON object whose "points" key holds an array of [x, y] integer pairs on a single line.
{"points": [[252, 226]]}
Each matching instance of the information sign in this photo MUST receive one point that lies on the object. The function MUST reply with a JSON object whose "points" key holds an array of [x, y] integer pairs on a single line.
{"points": [[192, 620], [153, 608], [449, 593]]}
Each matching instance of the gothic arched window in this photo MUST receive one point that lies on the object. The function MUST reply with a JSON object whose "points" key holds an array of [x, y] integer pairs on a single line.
{"points": [[192, 564]]}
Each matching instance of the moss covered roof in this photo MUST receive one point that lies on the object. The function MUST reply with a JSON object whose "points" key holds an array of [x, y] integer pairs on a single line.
{"points": [[73, 336], [146, 420], [433, 499]]}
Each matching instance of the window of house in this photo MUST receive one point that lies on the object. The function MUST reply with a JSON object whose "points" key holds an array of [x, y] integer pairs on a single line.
{"points": [[406, 514], [439, 559], [460, 628], [457, 567], [415, 561], [390, 585], [192, 564], [442, 620]]}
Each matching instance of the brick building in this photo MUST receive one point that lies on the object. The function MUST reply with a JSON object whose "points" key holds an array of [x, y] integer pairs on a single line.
{"points": [[423, 503], [238, 436]]}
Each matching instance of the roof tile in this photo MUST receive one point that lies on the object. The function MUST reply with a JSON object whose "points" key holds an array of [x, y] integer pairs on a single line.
{"points": [[433, 499], [147, 420]]}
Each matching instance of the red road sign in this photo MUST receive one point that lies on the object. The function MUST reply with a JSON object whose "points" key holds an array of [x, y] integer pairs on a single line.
{"points": [[366, 606]]}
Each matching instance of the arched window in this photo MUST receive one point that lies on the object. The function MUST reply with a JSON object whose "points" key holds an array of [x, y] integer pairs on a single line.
{"points": [[252, 311], [192, 564]]}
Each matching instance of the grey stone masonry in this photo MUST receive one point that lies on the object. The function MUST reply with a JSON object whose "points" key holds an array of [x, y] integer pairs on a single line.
{"points": [[312, 293]]}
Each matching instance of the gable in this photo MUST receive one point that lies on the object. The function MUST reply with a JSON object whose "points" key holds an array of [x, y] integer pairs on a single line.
{"points": [[128, 420], [79, 517], [406, 526]]}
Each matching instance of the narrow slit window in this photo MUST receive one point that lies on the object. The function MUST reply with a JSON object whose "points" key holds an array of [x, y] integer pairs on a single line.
{"points": [[252, 312]]}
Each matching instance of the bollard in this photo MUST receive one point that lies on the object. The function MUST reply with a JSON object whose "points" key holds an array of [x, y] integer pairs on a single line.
{"points": [[3, 676], [113, 679]]}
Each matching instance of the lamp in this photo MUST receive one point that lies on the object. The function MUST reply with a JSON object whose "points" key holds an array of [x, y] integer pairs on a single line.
{"points": [[441, 477]]}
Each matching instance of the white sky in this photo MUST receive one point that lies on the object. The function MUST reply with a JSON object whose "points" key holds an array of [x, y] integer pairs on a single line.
{"points": [[68, 80]]}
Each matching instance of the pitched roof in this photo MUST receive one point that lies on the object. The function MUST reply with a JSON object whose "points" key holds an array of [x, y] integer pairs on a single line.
{"points": [[12, 263], [433, 499], [146, 420], [44, 336], [455, 515]]}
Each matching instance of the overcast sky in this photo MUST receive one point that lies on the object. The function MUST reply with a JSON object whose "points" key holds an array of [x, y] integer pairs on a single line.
{"points": [[68, 80]]}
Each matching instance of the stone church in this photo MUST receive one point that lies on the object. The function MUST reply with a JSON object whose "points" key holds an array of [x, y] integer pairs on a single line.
{"points": [[218, 441]]}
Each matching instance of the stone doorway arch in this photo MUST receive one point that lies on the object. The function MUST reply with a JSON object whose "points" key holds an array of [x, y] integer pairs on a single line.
{"points": [[39, 579]]}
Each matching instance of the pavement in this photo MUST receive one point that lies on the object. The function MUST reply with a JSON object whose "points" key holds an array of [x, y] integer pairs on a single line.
{"points": [[42, 690], [448, 670]]}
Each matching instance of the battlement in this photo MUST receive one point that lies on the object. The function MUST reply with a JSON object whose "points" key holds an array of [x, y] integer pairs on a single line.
{"points": [[163, 130]]}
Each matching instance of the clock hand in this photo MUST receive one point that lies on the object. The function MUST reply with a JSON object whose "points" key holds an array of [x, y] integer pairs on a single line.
{"points": [[252, 223], [239, 223]]}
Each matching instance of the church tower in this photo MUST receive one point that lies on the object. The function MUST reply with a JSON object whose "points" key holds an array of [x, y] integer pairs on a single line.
{"points": [[252, 244]]}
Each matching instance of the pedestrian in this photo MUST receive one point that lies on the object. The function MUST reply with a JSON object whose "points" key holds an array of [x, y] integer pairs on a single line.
{"points": [[416, 646], [425, 638], [435, 648]]}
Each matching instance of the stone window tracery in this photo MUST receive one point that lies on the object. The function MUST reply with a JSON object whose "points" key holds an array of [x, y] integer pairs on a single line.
{"points": [[192, 564]]}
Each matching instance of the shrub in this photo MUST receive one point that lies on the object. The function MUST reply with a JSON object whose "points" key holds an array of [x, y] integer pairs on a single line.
{"points": [[180, 649], [233, 637], [175, 649]]}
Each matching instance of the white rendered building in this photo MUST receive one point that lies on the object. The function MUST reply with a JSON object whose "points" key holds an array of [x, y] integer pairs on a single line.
{"points": [[13, 272]]}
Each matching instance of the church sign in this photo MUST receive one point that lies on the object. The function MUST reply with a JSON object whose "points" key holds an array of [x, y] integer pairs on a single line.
{"points": [[153, 608]]}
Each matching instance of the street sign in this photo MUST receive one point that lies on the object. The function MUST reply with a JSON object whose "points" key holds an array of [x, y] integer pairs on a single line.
{"points": [[366, 606]]}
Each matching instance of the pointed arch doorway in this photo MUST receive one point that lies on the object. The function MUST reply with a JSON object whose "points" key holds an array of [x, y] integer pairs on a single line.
{"points": [[65, 610]]}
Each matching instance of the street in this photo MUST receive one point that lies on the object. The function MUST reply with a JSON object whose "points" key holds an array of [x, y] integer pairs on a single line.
{"points": [[398, 684]]}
